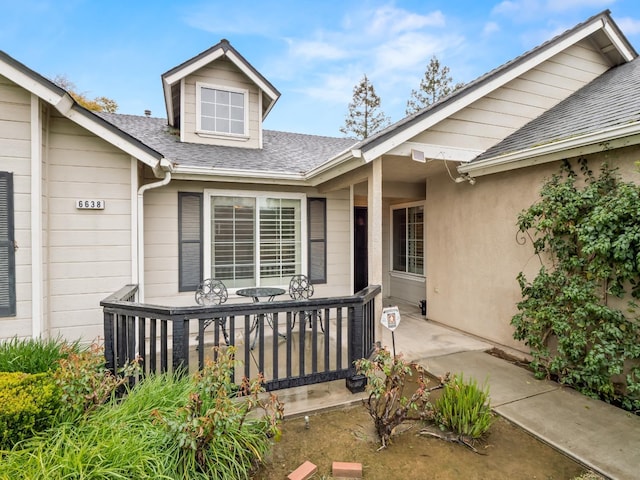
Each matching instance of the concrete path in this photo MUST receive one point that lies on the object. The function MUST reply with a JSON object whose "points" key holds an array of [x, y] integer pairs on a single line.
{"points": [[605, 439]]}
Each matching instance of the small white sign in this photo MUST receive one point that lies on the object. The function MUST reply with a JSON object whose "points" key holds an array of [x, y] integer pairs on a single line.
{"points": [[90, 204], [390, 318]]}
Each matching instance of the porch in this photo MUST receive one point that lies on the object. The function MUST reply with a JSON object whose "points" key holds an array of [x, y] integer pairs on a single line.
{"points": [[290, 343]]}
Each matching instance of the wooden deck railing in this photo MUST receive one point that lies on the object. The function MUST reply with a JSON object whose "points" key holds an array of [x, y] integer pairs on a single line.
{"points": [[291, 342]]}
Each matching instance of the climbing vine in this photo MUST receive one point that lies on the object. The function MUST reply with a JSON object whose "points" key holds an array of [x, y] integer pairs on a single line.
{"points": [[586, 231]]}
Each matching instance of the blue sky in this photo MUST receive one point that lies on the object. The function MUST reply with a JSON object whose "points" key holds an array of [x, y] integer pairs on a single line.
{"points": [[314, 52]]}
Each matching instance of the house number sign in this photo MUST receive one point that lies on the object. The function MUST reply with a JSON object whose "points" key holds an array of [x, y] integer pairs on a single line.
{"points": [[90, 204]]}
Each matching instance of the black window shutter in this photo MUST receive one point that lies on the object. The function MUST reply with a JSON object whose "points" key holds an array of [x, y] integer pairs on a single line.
{"points": [[317, 251], [7, 250], [189, 240]]}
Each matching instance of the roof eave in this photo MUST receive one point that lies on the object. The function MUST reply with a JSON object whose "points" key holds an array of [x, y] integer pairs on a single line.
{"points": [[615, 137], [406, 129], [222, 49]]}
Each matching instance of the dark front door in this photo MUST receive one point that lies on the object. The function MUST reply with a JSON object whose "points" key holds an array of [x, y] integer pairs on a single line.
{"points": [[361, 276]]}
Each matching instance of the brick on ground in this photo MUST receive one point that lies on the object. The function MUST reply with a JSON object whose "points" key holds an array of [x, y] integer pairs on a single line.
{"points": [[303, 472], [347, 470]]}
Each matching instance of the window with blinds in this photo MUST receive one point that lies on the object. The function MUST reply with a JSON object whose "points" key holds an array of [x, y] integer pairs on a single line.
{"points": [[255, 241], [7, 251], [233, 240], [317, 219], [189, 240], [408, 239]]}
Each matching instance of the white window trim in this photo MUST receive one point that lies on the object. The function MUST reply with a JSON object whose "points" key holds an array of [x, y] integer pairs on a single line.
{"points": [[213, 134], [399, 273], [206, 214]]}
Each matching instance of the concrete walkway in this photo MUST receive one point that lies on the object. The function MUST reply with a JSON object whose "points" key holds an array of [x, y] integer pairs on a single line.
{"points": [[605, 439]]}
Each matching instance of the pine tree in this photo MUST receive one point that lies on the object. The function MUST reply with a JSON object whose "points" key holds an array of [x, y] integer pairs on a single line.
{"points": [[365, 116], [435, 84]]}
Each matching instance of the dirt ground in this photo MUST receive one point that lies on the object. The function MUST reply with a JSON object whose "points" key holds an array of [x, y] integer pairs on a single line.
{"points": [[347, 435]]}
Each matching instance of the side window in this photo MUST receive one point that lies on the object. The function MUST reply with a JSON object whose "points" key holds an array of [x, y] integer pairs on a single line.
{"points": [[189, 240], [7, 247], [317, 251]]}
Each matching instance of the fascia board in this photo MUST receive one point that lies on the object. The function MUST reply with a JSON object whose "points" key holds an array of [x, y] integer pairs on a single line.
{"points": [[86, 121], [614, 137], [479, 92], [437, 152], [251, 74], [620, 45], [234, 175], [50, 95], [192, 67]]}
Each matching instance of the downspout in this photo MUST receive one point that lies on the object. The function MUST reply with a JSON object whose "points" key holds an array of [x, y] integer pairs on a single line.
{"points": [[165, 166]]}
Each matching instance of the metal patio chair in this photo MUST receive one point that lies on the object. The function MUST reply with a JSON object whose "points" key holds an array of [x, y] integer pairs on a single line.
{"points": [[213, 292], [300, 288]]}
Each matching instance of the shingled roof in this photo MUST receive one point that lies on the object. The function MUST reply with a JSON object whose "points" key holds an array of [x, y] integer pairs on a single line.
{"points": [[612, 99], [282, 152]]}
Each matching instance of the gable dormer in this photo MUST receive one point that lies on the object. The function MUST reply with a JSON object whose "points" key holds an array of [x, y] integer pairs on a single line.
{"points": [[218, 98]]}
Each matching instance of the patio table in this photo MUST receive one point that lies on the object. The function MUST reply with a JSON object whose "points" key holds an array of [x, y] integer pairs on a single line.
{"points": [[256, 293]]}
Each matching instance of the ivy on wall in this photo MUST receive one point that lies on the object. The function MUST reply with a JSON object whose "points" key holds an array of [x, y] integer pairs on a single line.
{"points": [[586, 231]]}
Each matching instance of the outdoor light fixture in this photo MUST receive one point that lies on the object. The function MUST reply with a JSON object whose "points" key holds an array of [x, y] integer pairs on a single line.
{"points": [[418, 156]]}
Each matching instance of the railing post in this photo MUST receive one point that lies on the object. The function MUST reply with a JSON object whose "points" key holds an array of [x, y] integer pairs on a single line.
{"points": [[180, 345], [356, 382], [109, 342]]}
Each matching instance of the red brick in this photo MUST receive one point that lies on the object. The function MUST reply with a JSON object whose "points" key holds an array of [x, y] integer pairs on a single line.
{"points": [[303, 472], [347, 470]]}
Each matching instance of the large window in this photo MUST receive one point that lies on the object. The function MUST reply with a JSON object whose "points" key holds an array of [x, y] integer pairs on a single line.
{"points": [[408, 239], [221, 111], [7, 247], [254, 240]]}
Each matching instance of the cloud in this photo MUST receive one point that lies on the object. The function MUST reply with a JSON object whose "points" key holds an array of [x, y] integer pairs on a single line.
{"points": [[315, 50], [490, 28], [388, 20], [630, 26], [523, 11]]}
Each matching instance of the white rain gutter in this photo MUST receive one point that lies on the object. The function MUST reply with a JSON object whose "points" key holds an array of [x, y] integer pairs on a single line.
{"points": [[165, 166]]}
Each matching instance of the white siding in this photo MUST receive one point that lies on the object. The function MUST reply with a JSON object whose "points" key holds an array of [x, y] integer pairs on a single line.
{"points": [[225, 74], [495, 116], [15, 156], [161, 242], [89, 250]]}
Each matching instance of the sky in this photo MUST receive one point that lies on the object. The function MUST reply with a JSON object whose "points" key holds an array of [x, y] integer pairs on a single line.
{"points": [[313, 52]]}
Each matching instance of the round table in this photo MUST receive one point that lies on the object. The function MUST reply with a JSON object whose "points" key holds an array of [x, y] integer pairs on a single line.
{"points": [[260, 292]]}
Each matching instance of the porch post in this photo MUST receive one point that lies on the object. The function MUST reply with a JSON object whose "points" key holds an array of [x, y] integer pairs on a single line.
{"points": [[374, 221]]}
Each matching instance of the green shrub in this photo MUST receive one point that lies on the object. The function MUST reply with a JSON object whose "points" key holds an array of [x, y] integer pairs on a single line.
{"points": [[119, 440], [572, 315], [85, 381], [464, 408], [33, 355], [388, 403], [215, 436], [28, 403]]}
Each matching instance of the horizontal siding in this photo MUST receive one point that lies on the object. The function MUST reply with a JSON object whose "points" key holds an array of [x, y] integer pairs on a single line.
{"points": [[89, 250], [161, 243], [225, 74], [15, 157], [501, 112]]}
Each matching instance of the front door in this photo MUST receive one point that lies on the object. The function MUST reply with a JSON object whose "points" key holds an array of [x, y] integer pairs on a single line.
{"points": [[360, 268]]}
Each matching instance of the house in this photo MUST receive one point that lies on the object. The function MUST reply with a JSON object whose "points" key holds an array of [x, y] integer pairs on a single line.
{"points": [[426, 208]]}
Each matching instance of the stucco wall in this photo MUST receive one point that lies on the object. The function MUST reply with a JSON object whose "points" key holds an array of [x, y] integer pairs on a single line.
{"points": [[473, 257]]}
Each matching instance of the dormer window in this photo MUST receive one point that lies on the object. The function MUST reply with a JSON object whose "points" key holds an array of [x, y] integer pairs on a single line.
{"points": [[221, 110]]}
